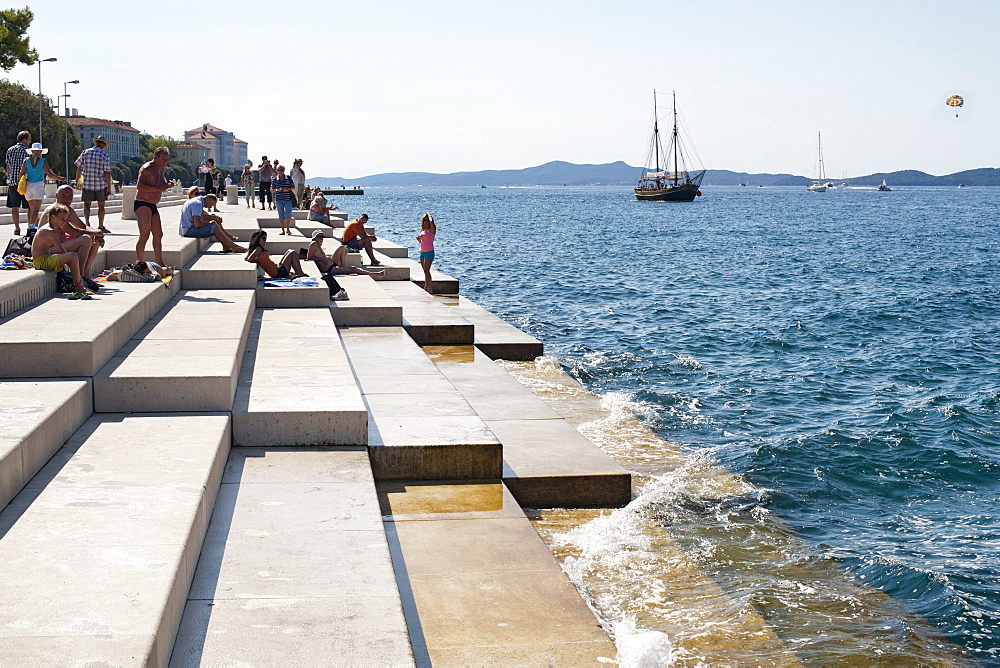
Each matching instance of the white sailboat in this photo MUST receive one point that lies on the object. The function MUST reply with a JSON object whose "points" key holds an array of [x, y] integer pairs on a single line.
{"points": [[820, 185]]}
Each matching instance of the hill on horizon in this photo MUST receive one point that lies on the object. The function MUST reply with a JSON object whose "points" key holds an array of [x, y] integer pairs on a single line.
{"points": [[560, 173]]}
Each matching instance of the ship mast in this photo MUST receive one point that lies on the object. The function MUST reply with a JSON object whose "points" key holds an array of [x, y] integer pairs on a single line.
{"points": [[675, 138], [656, 133]]}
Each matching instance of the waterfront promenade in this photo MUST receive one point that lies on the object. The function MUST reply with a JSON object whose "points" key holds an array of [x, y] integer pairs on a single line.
{"points": [[214, 472]]}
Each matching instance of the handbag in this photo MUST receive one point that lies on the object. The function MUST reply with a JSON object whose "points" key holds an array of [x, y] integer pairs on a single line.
{"points": [[18, 246], [64, 282], [22, 184]]}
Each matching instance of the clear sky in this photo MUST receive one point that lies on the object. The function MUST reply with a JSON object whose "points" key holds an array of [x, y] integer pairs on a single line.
{"points": [[443, 86]]}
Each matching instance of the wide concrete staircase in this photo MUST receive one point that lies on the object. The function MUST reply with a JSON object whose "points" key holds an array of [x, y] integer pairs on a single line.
{"points": [[217, 472]]}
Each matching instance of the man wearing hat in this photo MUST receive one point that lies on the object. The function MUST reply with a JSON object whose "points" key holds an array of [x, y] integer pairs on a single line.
{"points": [[94, 165]]}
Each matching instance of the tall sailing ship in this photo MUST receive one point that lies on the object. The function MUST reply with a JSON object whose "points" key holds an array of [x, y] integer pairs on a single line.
{"points": [[820, 185], [665, 177]]}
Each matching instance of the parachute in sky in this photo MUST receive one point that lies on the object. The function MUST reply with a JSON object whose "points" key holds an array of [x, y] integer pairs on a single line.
{"points": [[955, 101]]}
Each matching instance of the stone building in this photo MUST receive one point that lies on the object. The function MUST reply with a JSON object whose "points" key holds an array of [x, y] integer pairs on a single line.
{"points": [[123, 139], [192, 153], [228, 151]]}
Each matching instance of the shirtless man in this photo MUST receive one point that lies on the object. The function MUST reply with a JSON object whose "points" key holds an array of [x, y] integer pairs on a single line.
{"points": [[149, 188], [335, 264], [48, 238], [356, 239], [77, 237]]}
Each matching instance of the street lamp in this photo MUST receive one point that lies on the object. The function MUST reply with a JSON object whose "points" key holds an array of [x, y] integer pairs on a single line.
{"points": [[65, 97], [40, 61]]}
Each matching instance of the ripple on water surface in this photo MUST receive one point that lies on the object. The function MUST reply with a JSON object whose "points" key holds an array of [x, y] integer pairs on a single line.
{"points": [[836, 353]]}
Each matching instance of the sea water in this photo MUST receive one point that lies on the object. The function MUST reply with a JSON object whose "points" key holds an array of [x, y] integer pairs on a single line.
{"points": [[806, 385]]}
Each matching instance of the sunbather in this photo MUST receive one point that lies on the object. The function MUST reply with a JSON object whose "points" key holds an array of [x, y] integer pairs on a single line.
{"points": [[289, 267], [335, 264]]}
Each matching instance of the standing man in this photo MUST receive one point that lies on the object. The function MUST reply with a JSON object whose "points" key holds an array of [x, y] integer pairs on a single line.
{"points": [[15, 160], [265, 173], [149, 188], [94, 165]]}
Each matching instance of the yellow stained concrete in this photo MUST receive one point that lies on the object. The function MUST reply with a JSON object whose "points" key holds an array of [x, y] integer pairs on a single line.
{"points": [[485, 589]]}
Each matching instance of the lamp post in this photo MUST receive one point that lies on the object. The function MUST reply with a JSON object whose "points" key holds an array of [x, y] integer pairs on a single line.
{"points": [[65, 97], [40, 61]]}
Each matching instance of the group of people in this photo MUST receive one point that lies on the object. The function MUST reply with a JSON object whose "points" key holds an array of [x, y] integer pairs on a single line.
{"points": [[27, 169], [271, 181], [212, 179], [63, 239]]}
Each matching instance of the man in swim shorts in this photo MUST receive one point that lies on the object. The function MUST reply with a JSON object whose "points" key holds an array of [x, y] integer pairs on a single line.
{"points": [[356, 239], [47, 238], [149, 188]]}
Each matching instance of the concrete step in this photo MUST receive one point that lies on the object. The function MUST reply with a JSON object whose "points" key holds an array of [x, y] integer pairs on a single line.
{"points": [[547, 462], [241, 229], [177, 251], [100, 547], [441, 283], [369, 304], [335, 228], [481, 586], [20, 288], [292, 297], [427, 319], [295, 568], [215, 270], [58, 337], [277, 243], [394, 270], [390, 249], [496, 337], [39, 415], [186, 359], [295, 385], [419, 426], [303, 214]]}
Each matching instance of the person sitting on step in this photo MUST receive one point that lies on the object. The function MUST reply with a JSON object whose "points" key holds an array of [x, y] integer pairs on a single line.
{"points": [[356, 239], [49, 238], [289, 267], [320, 212], [335, 264], [197, 223]]}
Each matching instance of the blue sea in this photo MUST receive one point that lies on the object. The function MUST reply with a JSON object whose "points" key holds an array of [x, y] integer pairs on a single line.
{"points": [[835, 353]]}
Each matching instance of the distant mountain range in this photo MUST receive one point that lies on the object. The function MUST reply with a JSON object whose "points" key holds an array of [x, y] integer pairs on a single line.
{"points": [[558, 173]]}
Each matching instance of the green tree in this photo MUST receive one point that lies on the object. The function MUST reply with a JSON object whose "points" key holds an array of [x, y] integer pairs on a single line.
{"points": [[14, 47], [128, 171], [19, 111]]}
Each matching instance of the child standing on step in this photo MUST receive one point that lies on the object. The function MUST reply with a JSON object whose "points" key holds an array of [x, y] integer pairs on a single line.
{"points": [[426, 238]]}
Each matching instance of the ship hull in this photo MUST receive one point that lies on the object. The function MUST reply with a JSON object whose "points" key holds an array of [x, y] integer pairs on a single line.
{"points": [[684, 193]]}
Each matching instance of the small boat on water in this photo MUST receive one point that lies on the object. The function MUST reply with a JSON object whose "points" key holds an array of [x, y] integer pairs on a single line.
{"points": [[819, 185], [884, 187], [660, 183]]}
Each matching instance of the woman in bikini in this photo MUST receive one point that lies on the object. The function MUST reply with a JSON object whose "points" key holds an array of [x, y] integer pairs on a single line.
{"points": [[289, 267]]}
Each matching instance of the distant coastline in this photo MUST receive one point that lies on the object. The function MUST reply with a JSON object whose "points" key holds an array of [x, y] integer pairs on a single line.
{"points": [[559, 173]]}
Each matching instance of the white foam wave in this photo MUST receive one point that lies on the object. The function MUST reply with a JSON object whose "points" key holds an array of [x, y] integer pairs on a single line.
{"points": [[687, 361], [640, 648]]}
